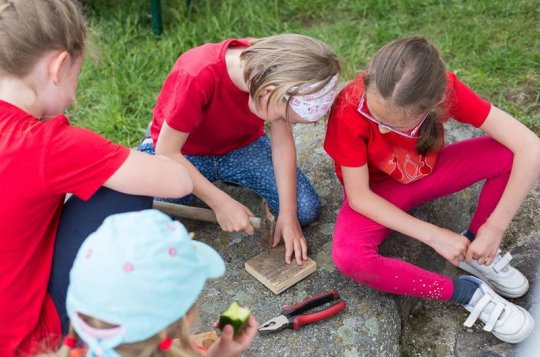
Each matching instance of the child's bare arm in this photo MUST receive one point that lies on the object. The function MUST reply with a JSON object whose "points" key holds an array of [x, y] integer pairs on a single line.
{"points": [[231, 214], [142, 174], [366, 202], [287, 225], [525, 145]]}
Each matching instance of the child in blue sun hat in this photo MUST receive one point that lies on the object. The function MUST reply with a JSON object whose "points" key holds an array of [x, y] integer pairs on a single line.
{"points": [[134, 284]]}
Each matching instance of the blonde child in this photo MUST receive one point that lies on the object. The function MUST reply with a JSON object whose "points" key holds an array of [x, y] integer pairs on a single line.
{"points": [[43, 157], [134, 285], [210, 116], [385, 134]]}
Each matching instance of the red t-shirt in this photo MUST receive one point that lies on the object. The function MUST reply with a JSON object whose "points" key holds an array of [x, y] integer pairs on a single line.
{"points": [[352, 140], [199, 98], [40, 161]]}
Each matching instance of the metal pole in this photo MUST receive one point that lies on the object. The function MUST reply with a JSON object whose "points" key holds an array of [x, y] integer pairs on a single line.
{"points": [[157, 24]]}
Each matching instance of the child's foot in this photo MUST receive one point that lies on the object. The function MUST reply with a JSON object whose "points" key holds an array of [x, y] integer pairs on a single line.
{"points": [[508, 322], [503, 278]]}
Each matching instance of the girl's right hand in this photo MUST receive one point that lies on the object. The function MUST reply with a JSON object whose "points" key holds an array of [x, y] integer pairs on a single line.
{"points": [[452, 246], [228, 345], [233, 216]]}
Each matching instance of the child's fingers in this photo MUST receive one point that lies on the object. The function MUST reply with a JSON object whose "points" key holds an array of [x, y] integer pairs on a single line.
{"points": [[469, 256], [249, 332], [227, 334], [249, 229], [277, 237], [253, 329], [250, 325], [252, 321], [304, 248], [298, 251], [288, 252], [454, 261]]}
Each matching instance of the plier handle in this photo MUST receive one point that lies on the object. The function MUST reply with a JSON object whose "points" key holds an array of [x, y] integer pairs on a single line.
{"points": [[295, 316]]}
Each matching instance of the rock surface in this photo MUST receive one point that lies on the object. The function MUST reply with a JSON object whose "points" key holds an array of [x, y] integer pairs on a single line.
{"points": [[374, 323]]}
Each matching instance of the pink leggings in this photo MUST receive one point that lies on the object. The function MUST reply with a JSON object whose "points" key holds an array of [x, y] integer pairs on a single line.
{"points": [[357, 238]]}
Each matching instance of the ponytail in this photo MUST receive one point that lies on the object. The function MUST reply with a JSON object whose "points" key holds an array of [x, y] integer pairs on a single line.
{"points": [[430, 135]]}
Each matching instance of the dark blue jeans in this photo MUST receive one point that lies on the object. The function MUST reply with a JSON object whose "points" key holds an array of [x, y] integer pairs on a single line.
{"points": [[251, 166], [80, 219]]}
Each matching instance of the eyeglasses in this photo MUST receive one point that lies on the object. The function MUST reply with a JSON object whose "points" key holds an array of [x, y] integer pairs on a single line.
{"points": [[410, 134]]}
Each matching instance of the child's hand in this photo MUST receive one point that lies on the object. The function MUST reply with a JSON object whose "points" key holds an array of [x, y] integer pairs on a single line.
{"points": [[484, 246], [233, 216], [452, 246], [228, 345], [290, 229]]}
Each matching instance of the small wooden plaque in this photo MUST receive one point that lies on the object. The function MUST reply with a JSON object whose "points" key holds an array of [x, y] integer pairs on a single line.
{"points": [[271, 270]]}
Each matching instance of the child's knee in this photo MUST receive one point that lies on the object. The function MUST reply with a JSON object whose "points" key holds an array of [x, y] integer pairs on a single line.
{"points": [[500, 154], [506, 158], [357, 269], [357, 265], [309, 210], [343, 260]]}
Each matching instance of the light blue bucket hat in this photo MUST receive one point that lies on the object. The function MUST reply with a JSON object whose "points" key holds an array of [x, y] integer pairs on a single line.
{"points": [[139, 271]]}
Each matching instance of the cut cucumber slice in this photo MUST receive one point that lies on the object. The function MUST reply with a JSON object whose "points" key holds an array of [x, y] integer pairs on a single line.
{"points": [[235, 316]]}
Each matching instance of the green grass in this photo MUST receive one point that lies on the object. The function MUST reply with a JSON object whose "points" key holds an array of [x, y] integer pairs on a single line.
{"points": [[493, 45]]}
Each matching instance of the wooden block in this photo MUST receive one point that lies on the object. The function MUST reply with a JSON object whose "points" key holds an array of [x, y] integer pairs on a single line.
{"points": [[271, 270], [205, 339]]}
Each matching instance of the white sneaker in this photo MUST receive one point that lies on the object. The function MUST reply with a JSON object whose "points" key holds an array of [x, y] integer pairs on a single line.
{"points": [[508, 322], [503, 278]]}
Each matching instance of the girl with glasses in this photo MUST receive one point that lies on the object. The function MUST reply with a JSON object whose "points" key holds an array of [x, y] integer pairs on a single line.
{"points": [[386, 137]]}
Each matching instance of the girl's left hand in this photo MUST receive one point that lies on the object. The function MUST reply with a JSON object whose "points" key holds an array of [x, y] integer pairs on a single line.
{"points": [[485, 245], [290, 229]]}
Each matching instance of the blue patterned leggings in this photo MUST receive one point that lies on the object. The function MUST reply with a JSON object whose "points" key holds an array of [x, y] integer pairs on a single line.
{"points": [[251, 167]]}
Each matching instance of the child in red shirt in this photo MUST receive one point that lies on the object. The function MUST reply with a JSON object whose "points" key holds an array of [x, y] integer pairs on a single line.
{"points": [[43, 157], [210, 116], [385, 134]]}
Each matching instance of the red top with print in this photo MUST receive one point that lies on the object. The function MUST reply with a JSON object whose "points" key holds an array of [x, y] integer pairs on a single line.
{"points": [[352, 140]]}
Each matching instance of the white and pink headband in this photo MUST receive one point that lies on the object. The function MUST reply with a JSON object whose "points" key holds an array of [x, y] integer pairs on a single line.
{"points": [[314, 106]]}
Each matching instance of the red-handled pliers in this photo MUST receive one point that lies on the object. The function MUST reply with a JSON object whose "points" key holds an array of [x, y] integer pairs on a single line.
{"points": [[295, 316]]}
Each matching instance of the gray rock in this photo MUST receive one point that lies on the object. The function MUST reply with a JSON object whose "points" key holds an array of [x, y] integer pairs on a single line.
{"points": [[374, 323]]}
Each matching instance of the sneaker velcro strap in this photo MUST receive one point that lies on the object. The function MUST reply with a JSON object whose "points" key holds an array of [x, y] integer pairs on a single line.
{"points": [[477, 310], [502, 263], [494, 316]]}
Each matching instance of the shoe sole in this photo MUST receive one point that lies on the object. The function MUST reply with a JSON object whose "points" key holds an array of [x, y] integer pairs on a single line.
{"points": [[522, 334], [514, 293]]}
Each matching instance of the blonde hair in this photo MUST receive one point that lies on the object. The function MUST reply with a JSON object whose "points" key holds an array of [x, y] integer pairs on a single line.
{"points": [[182, 346], [30, 28], [289, 62]]}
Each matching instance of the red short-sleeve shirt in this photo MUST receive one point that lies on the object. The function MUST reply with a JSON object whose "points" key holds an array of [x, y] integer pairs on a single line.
{"points": [[40, 161], [352, 140], [199, 98]]}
